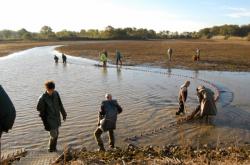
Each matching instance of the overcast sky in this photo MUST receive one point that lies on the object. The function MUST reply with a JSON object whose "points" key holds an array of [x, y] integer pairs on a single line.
{"points": [[173, 15]]}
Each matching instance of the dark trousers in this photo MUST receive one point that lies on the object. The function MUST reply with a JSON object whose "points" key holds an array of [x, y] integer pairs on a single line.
{"points": [[181, 108], [98, 133], [118, 60], [104, 63], [0, 144], [53, 139]]}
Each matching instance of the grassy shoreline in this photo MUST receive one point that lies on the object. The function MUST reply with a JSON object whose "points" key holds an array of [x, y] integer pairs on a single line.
{"points": [[215, 54], [9, 47]]}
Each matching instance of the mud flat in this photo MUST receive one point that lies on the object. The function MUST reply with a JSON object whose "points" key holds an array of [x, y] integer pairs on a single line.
{"points": [[215, 55], [8, 47]]}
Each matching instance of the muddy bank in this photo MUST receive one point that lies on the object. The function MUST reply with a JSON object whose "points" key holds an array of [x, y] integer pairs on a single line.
{"points": [[10, 47], [215, 55], [168, 154]]}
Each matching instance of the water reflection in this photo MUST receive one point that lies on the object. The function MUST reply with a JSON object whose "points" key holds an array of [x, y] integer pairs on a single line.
{"points": [[104, 71], [119, 72], [169, 71], [196, 73]]}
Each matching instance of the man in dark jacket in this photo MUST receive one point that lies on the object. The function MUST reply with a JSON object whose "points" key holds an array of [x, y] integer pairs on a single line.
{"points": [[64, 58], [7, 114], [107, 121], [56, 58], [118, 57], [50, 106]]}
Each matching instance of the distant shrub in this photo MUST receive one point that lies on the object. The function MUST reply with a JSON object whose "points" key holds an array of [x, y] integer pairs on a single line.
{"points": [[248, 37], [226, 37]]}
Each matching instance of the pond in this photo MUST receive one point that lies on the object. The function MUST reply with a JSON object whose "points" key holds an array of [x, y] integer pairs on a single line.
{"points": [[148, 97]]}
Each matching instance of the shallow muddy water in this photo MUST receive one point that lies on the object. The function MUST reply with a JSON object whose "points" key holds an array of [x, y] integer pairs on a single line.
{"points": [[148, 97]]}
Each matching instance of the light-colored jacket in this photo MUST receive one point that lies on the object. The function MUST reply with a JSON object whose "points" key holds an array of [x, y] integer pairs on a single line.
{"points": [[183, 93], [207, 102]]}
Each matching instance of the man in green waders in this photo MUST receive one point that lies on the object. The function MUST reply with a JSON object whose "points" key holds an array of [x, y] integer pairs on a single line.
{"points": [[7, 114], [103, 59]]}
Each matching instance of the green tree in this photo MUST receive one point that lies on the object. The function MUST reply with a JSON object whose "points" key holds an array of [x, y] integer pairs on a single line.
{"points": [[65, 34], [47, 33], [8, 35], [24, 34]]}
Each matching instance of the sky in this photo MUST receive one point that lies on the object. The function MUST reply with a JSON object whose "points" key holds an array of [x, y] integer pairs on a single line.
{"points": [[172, 15]]}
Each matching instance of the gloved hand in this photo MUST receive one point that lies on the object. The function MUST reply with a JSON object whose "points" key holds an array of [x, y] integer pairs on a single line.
{"points": [[64, 118]]}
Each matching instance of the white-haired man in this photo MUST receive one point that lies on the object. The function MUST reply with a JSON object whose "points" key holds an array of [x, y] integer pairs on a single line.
{"points": [[107, 121]]}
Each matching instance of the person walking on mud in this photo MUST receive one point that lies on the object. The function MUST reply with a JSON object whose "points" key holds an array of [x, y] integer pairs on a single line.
{"points": [[56, 59], [118, 57], [183, 93], [107, 121], [64, 58], [170, 52], [50, 107], [206, 105]]}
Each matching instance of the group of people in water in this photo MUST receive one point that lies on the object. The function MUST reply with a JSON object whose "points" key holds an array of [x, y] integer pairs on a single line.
{"points": [[50, 108], [104, 57], [206, 106], [64, 58]]}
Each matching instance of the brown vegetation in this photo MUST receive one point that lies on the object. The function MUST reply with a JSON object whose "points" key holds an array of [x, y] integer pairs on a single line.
{"points": [[215, 55], [14, 46], [169, 154]]}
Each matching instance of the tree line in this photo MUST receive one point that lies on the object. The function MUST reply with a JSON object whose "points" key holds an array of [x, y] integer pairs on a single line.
{"points": [[226, 30], [46, 33]]}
